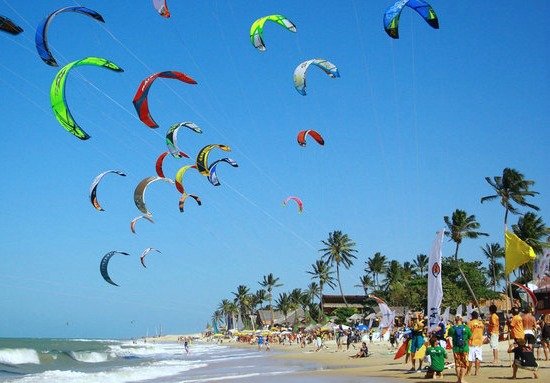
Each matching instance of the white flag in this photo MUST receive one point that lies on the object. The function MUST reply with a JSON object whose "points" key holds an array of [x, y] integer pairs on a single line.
{"points": [[435, 287], [459, 311], [469, 309]]}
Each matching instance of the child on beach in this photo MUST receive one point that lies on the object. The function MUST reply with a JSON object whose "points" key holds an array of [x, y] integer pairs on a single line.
{"points": [[523, 358], [437, 356]]}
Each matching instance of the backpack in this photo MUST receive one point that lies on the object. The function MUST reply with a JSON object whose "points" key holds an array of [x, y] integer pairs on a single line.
{"points": [[459, 336]]}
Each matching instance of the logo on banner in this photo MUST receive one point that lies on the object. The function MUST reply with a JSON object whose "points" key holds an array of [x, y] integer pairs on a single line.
{"points": [[436, 269]]}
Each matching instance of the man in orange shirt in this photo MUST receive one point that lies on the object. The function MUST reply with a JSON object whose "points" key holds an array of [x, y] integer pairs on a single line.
{"points": [[476, 341], [515, 325], [494, 331]]}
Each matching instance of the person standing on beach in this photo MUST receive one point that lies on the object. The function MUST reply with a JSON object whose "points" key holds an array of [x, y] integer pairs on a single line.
{"points": [[515, 325], [493, 331], [475, 354], [458, 335], [260, 342], [267, 343], [545, 335], [417, 341], [529, 326], [186, 346]]}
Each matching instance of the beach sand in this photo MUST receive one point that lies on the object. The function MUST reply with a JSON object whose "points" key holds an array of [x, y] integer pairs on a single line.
{"points": [[381, 364], [337, 366]]}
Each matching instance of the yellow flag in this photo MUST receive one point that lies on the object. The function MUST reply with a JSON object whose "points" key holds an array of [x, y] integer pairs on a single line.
{"points": [[516, 252]]}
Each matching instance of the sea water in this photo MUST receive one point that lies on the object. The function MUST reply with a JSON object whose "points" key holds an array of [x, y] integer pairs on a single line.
{"points": [[114, 361]]}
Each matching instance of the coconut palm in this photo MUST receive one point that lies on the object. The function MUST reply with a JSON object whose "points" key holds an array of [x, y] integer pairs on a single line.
{"points": [[461, 225], [269, 282], [376, 265], [284, 304], [421, 263], [243, 300], [394, 274], [322, 271], [511, 187], [365, 282], [494, 252], [409, 270], [228, 309], [339, 249], [532, 230], [259, 298]]}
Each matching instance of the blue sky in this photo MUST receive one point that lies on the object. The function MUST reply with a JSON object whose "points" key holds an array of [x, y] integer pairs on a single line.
{"points": [[412, 127]]}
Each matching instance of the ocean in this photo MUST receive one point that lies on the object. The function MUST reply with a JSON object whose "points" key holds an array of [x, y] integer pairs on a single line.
{"points": [[115, 361]]}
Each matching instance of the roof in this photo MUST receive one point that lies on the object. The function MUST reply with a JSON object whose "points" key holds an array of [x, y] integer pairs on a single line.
{"points": [[279, 318]]}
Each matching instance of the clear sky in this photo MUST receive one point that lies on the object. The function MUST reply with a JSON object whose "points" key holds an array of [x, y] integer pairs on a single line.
{"points": [[412, 127]]}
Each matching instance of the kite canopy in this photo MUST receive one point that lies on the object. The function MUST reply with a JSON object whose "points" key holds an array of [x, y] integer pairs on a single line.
{"points": [[57, 93], [212, 176], [179, 177], [95, 183], [145, 252], [105, 262], [392, 14], [300, 72], [202, 157], [257, 29], [184, 197], [41, 37], [298, 202], [313, 134], [139, 193], [162, 8], [172, 137], [134, 221], [160, 162], [9, 26], [141, 102]]}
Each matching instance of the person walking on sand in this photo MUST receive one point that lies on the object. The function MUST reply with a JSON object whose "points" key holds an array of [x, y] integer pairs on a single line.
{"points": [[529, 326], [458, 335], [523, 358], [260, 342], [475, 354], [267, 343], [493, 331]]}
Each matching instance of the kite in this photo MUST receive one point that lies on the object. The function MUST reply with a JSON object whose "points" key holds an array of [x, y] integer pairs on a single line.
{"points": [[179, 176], [160, 161], [392, 14], [9, 26], [145, 252], [172, 138], [105, 262], [297, 200], [133, 222], [140, 99], [315, 135], [300, 73], [95, 183], [184, 197], [57, 93], [202, 157], [139, 192], [162, 8], [41, 38], [257, 29], [212, 176]]}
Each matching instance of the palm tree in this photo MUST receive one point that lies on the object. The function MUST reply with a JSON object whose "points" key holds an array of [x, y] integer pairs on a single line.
{"points": [[409, 270], [494, 252], [511, 187], [217, 317], [365, 283], [394, 274], [269, 282], [339, 250], [259, 298], [296, 297], [228, 309], [321, 270], [313, 290], [532, 230], [284, 304], [376, 266], [461, 225], [421, 263], [243, 299]]}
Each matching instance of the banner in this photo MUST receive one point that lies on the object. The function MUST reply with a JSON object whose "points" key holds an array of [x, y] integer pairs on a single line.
{"points": [[435, 287], [541, 273]]}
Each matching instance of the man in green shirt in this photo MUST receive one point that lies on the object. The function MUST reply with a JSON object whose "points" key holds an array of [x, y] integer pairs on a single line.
{"points": [[437, 357], [459, 334]]}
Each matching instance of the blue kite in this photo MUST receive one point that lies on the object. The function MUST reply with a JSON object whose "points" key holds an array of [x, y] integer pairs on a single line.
{"points": [[391, 17]]}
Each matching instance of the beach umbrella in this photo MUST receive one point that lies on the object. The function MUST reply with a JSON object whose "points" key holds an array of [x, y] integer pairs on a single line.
{"points": [[362, 327]]}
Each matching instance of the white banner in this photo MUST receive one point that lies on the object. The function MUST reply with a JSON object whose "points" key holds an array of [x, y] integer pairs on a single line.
{"points": [[541, 273], [435, 287]]}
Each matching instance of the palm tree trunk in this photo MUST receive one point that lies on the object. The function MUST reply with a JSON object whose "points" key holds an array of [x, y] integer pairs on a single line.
{"points": [[321, 311], [464, 276], [271, 309], [340, 285]]}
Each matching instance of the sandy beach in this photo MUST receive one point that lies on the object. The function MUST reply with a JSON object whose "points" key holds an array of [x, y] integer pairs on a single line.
{"points": [[381, 363]]}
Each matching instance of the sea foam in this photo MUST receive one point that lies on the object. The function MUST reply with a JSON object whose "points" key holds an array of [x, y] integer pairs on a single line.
{"points": [[19, 356]]}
